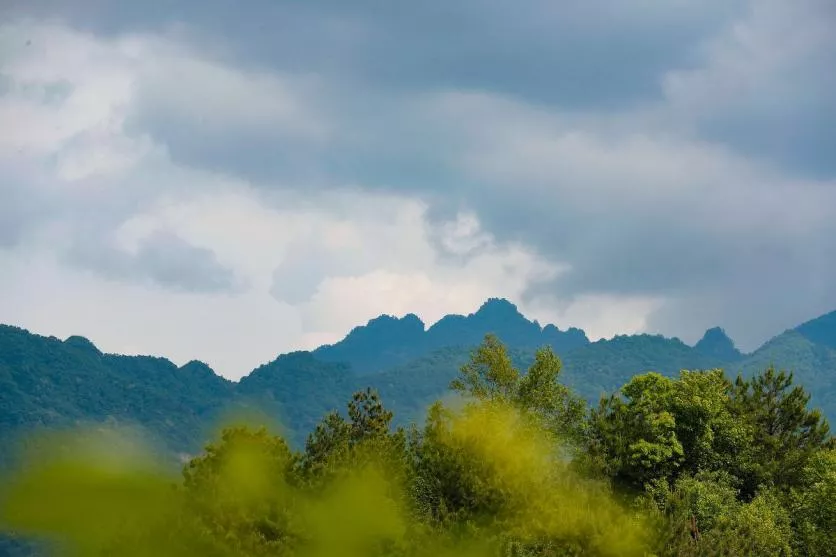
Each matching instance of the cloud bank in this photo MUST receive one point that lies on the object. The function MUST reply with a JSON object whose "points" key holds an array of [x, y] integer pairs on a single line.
{"points": [[194, 180]]}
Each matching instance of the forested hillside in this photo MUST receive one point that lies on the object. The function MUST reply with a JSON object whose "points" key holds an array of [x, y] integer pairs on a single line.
{"points": [[47, 382], [697, 464]]}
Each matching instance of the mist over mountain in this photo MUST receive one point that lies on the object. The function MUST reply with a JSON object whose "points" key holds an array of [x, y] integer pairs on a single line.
{"points": [[46, 382]]}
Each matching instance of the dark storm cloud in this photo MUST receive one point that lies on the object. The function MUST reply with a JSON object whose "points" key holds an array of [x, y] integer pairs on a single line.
{"points": [[764, 87], [604, 53], [601, 56], [598, 56]]}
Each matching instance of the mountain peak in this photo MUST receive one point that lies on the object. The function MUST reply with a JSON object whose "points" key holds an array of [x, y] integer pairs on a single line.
{"points": [[715, 342], [387, 341], [197, 367], [82, 343], [715, 333], [496, 315], [499, 307], [369, 347], [409, 321]]}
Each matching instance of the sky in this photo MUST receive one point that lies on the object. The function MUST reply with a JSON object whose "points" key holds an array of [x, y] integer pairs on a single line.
{"points": [[229, 181]]}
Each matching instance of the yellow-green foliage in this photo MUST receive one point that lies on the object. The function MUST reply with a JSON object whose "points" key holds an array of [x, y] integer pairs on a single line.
{"points": [[243, 497], [90, 490], [496, 456], [707, 467]]}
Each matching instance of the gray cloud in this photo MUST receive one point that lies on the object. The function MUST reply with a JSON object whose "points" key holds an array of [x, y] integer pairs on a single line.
{"points": [[18, 210], [683, 151], [162, 258], [765, 86], [751, 75], [301, 271], [600, 53], [741, 242]]}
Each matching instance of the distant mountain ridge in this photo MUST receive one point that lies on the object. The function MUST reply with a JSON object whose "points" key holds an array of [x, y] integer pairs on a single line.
{"points": [[46, 382], [821, 330], [388, 341]]}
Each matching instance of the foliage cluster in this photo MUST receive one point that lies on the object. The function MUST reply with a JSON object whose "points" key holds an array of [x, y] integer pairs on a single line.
{"points": [[515, 465]]}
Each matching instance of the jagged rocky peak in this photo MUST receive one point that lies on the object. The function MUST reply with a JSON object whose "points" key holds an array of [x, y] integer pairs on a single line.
{"points": [[381, 328], [502, 314], [570, 338], [387, 328], [498, 307], [408, 323], [715, 336], [716, 342], [81, 343], [497, 316], [370, 347], [493, 311]]}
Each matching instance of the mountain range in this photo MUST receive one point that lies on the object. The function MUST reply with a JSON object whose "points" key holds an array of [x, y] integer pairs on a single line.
{"points": [[46, 382]]}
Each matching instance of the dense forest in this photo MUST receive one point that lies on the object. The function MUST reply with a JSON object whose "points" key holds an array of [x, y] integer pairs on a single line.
{"points": [[517, 463], [47, 383], [610, 449]]}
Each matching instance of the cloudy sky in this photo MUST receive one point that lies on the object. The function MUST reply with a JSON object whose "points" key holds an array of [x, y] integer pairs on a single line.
{"points": [[228, 181]]}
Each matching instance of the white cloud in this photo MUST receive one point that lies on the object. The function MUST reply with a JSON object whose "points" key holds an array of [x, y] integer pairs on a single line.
{"points": [[92, 80], [234, 333], [78, 97], [362, 256], [599, 315], [342, 302], [374, 253]]}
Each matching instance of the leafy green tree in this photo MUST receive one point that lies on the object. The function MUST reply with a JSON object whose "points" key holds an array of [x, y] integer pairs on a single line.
{"points": [[719, 467], [337, 444], [491, 376], [701, 515], [634, 433], [238, 489], [813, 506], [760, 430], [694, 507], [785, 433], [710, 434], [487, 472], [447, 489], [539, 391]]}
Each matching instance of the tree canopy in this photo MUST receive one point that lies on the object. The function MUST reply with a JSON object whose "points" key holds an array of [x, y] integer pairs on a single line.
{"points": [[699, 464]]}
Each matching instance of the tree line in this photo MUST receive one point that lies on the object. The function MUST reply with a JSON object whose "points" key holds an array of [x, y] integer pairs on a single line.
{"points": [[517, 465]]}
